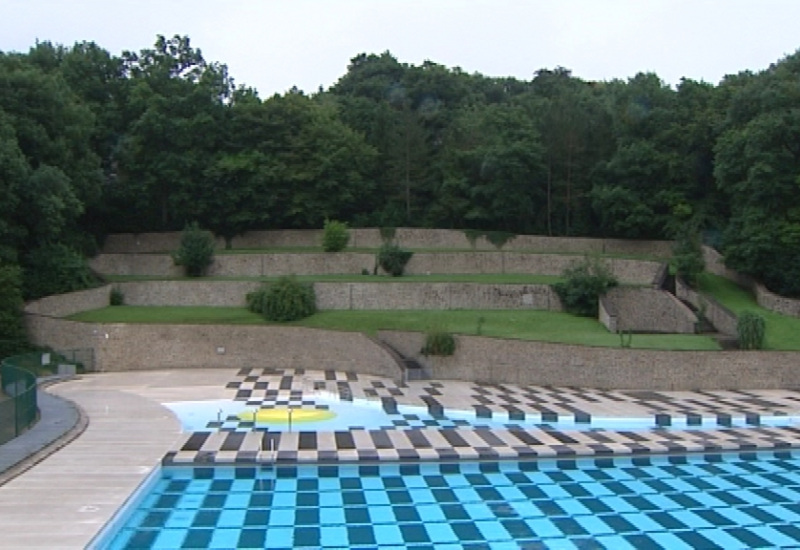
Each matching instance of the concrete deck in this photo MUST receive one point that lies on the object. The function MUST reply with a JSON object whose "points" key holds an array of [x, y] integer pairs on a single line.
{"points": [[64, 501]]}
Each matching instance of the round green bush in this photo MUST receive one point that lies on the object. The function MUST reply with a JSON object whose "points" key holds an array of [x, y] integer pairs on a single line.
{"points": [[196, 250], [289, 300], [335, 236], [393, 259]]}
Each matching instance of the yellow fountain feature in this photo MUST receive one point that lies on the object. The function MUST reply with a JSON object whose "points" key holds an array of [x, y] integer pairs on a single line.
{"points": [[285, 416]]}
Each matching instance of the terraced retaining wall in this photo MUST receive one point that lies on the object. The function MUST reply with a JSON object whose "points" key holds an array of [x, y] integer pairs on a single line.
{"points": [[122, 347], [645, 310], [275, 265], [492, 361], [723, 319], [129, 243], [345, 296], [133, 347]]}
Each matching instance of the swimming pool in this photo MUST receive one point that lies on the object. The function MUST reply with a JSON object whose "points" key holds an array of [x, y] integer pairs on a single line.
{"points": [[326, 413], [743, 500]]}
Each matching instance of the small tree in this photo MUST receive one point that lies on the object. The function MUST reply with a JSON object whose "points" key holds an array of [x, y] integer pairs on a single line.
{"points": [[585, 283], [196, 250], [335, 237], [393, 259], [687, 258], [751, 329]]}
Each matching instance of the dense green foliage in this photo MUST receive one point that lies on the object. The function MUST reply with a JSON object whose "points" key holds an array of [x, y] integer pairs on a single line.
{"points": [[286, 300], [393, 259], [751, 329], [438, 342], [584, 283], [55, 269], [335, 236], [687, 260], [196, 250], [12, 331], [93, 143]]}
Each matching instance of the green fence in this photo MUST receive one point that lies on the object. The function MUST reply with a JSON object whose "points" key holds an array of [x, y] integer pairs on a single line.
{"points": [[18, 398]]}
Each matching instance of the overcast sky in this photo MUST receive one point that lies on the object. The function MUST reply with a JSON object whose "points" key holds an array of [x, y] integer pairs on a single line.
{"points": [[273, 45]]}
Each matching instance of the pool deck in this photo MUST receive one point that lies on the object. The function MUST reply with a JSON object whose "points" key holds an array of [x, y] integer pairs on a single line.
{"points": [[64, 500]]}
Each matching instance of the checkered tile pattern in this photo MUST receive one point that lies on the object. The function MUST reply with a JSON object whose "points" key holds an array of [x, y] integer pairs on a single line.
{"points": [[711, 501], [234, 440]]}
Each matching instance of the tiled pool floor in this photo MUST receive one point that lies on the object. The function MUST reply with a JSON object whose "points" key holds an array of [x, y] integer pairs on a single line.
{"points": [[259, 388], [702, 501]]}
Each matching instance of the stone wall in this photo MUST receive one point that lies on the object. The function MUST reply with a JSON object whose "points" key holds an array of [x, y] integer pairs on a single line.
{"points": [[132, 347], [348, 296], [63, 305], [120, 347], [128, 243], [187, 293], [715, 263], [359, 296], [723, 319], [646, 310], [274, 265], [493, 361], [775, 302]]}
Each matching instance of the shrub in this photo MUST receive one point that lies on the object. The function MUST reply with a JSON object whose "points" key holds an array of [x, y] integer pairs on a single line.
{"points": [[55, 269], [335, 236], [288, 300], [196, 250], [255, 300], [585, 283], [393, 259], [687, 259], [439, 342], [499, 238], [751, 329], [387, 234], [117, 297]]}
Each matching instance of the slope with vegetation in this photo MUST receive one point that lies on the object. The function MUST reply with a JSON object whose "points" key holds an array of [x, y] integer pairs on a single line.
{"points": [[93, 143]]}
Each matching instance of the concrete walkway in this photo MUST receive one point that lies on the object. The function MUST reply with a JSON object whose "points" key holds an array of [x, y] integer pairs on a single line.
{"points": [[63, 501]]}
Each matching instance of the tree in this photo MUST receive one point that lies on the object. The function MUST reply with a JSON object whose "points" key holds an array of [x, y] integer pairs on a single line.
{"points": [[757, 165], [492, 169], [176, 105], [12, 330]]}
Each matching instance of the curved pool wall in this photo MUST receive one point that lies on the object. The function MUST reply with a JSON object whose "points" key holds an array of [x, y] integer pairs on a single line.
{"points": [[229, 415]]}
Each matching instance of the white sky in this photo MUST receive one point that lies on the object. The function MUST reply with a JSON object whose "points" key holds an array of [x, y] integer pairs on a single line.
{"points": [[273, 45]]}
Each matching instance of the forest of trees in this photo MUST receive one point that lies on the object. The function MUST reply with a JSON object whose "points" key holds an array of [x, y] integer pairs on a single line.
{"points": [[92, 143]]}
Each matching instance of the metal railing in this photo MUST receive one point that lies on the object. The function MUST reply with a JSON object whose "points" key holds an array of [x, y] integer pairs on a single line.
{"points": [[18, 404]]}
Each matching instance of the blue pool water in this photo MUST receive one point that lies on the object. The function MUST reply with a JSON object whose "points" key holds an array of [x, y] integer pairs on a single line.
{"points": [[224, 414], [729, 501]]}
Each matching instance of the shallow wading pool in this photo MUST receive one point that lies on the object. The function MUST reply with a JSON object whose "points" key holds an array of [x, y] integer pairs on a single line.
{"points": [[324, 413]]}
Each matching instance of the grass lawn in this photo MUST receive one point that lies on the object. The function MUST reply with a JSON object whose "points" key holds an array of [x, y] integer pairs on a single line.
{"points": [[517, 324], [782, 331]]}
